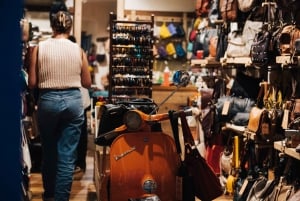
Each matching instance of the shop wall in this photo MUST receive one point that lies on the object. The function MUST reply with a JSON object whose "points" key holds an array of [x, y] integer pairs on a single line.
{"points": [[159, 5], [95, 17]]}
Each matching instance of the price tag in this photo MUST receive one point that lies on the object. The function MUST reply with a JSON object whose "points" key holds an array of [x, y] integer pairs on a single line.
{"points": [[234, 26], [243, 188], [225, 109], [285, 119]]}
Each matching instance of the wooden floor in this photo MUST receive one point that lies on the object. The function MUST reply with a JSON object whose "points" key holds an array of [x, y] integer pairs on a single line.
{"points": [[83, 188]]}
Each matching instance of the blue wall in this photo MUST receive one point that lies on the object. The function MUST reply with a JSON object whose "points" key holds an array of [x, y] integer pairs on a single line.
{"points": [[10, 37]]}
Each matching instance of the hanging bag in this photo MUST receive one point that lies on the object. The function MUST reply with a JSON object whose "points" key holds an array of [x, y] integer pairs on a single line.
{"points": [[164, 31], [206, 184], [240, 42], [228, 10], [246, 5], [262, 51]]}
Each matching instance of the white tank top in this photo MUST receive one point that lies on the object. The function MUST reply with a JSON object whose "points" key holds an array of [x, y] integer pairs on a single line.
{"points": [[59, 64]]}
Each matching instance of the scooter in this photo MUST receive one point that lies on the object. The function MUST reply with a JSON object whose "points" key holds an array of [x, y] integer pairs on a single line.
{"points": [[143, 163]]}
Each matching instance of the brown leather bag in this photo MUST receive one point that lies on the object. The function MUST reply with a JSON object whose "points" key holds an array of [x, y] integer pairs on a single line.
{"points": [[295, 109], [202, 7], [213, 42], [228, 9], [287, 38], [254, 119]]}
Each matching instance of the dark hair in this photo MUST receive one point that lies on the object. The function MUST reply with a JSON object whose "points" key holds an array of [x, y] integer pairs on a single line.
{"points": [[57, 5], [62, 22], [72, 38]]}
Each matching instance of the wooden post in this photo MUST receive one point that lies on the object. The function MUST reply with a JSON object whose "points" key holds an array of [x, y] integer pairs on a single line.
{"points": [[77, 20]]}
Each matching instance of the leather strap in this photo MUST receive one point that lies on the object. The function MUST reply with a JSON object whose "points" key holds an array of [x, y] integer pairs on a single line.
{"points": [[187, 135]]}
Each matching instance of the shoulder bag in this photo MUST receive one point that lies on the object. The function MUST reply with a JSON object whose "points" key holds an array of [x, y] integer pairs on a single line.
{"points": [[246, 5], [240, 42], [261, 188], [228, 10], [206, 183]]}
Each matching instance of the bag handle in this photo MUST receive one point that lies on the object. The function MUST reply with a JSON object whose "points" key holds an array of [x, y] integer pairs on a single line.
{"points": [[187, 135], [174, 125]]}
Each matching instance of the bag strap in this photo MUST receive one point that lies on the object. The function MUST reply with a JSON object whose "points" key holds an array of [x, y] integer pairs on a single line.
{"points": [[186, 131], [175, 131]]}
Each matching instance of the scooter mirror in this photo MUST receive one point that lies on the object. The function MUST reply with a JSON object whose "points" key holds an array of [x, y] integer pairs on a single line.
{"points": [[181, 78]]}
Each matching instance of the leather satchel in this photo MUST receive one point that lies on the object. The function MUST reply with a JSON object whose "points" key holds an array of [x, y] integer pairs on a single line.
{"points": [[281, 192], [255, 119], [206, 184], [260, 52], [296, 109], [236, 46], [239, 43], [228, 9], [286, 40], [261, 188]]}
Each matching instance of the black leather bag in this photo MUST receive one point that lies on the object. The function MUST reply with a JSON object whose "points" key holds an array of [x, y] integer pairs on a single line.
{"points": [[207, 185], [260, 48]]}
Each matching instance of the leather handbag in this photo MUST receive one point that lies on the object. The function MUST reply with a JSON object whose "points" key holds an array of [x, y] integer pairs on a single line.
{"points": [[281, 192], [255, 119], [246, 5], [213, 42], [229, 10], [260, 52], [295, 197], [206, 183], [236, 46], [287, 39], [261, 188], [295, 109], [250, 29], [239, 43], [202, 7], [203, 39]]}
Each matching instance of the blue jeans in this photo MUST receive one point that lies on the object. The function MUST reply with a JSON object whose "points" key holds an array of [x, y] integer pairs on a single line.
{"points": [[60, 116]]}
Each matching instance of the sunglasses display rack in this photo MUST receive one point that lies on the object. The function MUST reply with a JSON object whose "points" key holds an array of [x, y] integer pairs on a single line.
{"points": [[131, 59]]}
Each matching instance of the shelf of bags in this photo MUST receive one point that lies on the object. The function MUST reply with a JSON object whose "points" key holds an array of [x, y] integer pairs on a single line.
{"points": [[237, 60], [237, 129], [287, 60], [280, 146], [212, 63]]}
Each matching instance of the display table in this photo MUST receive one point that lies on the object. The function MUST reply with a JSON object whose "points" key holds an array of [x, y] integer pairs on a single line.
{"points": [[280, 146]]}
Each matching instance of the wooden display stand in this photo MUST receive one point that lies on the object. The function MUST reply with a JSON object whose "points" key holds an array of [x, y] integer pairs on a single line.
{"points": [[237, 60], [280, 146]]}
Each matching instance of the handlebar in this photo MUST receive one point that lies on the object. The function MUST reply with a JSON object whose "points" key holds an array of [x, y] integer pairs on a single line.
{"points": [[106, 138]]}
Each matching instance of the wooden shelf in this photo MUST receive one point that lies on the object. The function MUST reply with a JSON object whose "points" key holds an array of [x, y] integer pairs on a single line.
{"points": [[287, 60], [237, 60], [207, 63], [280, 146]]}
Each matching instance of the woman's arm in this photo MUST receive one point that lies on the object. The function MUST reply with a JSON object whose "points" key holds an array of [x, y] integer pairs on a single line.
{"points": [[86, 80], [32, 72]]}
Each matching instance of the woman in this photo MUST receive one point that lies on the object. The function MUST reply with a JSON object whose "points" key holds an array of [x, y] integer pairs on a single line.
{"points": [[58, 69]]}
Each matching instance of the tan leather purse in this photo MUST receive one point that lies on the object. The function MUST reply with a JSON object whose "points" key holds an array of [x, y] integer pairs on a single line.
{"points": [[287, 38], [296, 109], [254, 119]]}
